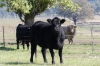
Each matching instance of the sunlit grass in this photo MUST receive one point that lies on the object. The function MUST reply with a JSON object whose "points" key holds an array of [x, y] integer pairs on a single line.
{"points": [[73, 55]]}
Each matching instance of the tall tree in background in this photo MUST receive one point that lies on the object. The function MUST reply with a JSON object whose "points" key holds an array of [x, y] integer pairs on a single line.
{"points": [[96, 5], [86, 11], [28, 9]]}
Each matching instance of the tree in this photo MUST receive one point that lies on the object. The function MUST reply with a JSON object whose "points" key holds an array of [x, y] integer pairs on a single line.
{"points": [[81, 14], [28, 9], [96, 5]]}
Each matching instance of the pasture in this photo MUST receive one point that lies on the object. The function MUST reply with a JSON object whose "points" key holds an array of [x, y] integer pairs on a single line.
{"points": [[73, 55], [78, 54]]}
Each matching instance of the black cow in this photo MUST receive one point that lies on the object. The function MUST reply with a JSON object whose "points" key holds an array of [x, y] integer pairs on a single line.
{"points": [[48, 36], [70, 32], [23, 35]]}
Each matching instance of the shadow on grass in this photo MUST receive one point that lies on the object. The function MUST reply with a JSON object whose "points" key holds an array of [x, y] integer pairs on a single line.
{"points": [[16, 63], [8, 43], [7, 49], [23, 63]]}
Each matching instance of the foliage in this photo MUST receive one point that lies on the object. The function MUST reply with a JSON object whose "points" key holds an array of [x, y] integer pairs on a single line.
{"points": [[28, 9], [31, 6], [96, 5], [86, 12]]}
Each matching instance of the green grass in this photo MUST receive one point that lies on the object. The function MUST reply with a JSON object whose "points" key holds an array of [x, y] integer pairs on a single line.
{"points": [[73, 55]]}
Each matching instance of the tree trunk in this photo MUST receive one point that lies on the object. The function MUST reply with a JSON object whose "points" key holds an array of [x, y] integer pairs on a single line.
{"points": [[75, 20], [29, 19]]}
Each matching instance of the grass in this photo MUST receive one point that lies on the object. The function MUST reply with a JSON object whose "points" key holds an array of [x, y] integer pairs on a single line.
{"points": [[73, 55]]}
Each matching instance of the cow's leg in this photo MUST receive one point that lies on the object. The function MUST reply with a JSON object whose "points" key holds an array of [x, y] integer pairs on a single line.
{"points": [[23, 44], [17, 44], [52, 55], [69, 41], [44, 54], [33, 50], [60, 55], [27, 45]]}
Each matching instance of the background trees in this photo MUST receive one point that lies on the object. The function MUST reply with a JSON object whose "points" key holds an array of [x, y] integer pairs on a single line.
{"points": [[28, 9], [27, 12], [86, 11], [96, 5]]}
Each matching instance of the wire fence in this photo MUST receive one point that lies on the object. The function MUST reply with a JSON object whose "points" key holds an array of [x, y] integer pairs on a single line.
{"points": [[85, 34], [8, 34]]}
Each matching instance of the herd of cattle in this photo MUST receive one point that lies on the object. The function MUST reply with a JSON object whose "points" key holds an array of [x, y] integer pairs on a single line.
{"points": [[48, 35]]}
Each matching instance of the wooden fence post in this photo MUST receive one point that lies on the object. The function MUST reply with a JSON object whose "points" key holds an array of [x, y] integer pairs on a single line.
{"points": [[3, 36], [92, 38]]}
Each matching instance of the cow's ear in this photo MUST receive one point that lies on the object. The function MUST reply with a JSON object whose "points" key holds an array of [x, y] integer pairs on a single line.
{"points": [[49, 20], [75, 26], [62, 21]]}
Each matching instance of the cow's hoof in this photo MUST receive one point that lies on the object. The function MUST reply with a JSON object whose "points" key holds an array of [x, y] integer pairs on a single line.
{"points": [[31, 60], [53, 62], [61, 61], [46, 61], [27, 48], [17, 48]]}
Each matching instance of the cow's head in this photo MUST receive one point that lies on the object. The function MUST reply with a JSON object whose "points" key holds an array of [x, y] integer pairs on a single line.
{"points": [[56, 23], [72, 28]]}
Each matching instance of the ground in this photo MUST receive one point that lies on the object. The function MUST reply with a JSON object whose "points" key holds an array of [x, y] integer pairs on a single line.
{"points": [[81, 53], [73, 55]]}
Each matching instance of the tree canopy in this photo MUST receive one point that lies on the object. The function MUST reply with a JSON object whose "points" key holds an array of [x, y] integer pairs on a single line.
{"points": [[86, 11], [96, 5], [28, 9]]}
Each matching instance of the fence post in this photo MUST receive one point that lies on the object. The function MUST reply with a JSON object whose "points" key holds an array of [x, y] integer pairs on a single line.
{"points": [[92, 38], [3, 36]]}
